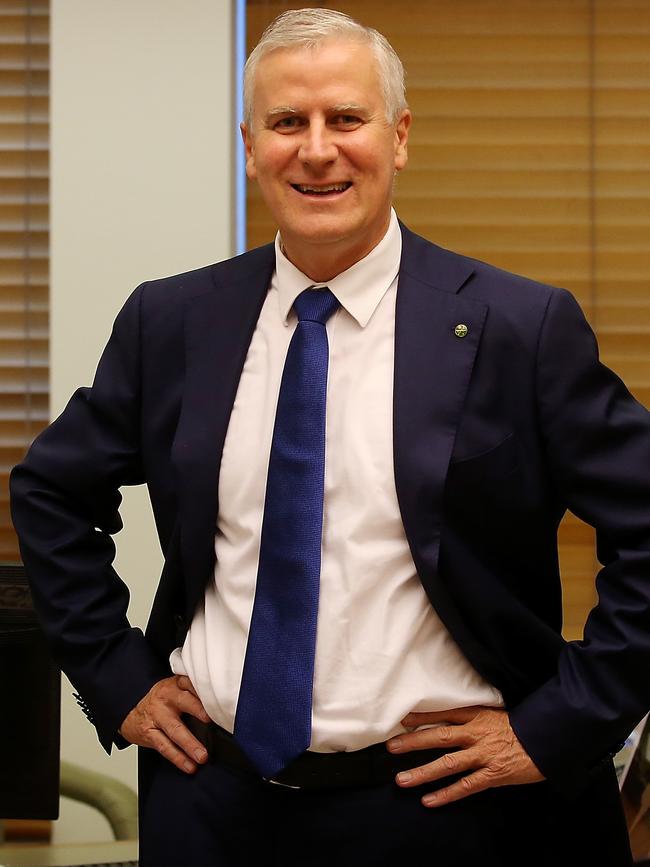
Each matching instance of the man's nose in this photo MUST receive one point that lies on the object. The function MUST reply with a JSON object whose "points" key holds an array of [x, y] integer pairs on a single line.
{"points": [[318, 146]]}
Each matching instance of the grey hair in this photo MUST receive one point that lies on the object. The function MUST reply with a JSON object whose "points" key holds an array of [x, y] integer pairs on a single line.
{"points": [[307, 28]]}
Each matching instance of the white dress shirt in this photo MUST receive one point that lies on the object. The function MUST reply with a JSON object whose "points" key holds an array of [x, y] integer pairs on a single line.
{"points": [[381, 649]]}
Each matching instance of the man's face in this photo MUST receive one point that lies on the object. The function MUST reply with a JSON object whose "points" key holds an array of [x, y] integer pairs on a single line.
{"points": [[322, 150]]}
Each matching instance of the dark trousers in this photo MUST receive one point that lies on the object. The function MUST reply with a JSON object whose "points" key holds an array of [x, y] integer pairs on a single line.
{"points": [[223, 818]]}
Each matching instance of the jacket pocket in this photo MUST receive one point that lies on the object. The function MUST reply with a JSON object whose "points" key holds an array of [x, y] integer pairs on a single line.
{"points": [[496, 463]]}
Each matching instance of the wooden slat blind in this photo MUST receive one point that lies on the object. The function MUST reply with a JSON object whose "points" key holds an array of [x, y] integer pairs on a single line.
{"points": [[529, 149], [24, 59], [621, 314]]}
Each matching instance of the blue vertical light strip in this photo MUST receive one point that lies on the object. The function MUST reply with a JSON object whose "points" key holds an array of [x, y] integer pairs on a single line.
{"points": [[240, 163]]}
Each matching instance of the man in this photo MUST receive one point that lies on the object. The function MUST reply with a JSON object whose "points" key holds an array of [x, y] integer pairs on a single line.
{"points": [[360, 600]]}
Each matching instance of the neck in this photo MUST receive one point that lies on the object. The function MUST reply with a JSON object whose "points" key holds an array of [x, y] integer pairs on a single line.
{"points": [[320, 266], [322, 262]]}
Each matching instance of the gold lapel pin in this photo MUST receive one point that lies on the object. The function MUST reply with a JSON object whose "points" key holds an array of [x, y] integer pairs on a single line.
{"points": [[461, 330]]}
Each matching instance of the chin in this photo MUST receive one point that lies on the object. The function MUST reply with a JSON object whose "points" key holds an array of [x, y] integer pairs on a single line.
{"points": [[327, 228]]}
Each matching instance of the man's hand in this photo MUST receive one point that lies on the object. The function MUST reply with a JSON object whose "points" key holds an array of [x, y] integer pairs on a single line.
{"points": [[155, 722], [485, 746]]}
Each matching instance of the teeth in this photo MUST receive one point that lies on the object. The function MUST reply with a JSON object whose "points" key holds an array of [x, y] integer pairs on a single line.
{"points": [[329, 188]]}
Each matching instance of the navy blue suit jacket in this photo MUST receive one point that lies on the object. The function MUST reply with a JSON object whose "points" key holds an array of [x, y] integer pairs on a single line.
{"points": [[496, 434]]}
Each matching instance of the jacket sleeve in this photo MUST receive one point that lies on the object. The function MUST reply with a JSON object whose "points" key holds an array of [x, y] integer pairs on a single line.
{"points": [[65, 501], [597, 439]]}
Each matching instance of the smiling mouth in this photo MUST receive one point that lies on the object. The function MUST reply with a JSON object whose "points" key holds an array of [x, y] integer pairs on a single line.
{"points": [[322, 189]]}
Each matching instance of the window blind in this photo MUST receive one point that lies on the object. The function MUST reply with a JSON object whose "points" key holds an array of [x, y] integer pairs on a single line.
{"points": [[24, 53], [621, 195]]}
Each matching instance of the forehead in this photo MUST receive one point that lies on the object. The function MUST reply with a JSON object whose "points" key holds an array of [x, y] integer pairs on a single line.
{"points": [[333, 72]]}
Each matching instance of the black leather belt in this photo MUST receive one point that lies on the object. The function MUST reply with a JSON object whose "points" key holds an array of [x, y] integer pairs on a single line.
{"points": [[372, 766]]}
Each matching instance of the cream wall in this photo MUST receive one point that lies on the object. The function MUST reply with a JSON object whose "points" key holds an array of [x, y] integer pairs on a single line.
{"points": [[142, 141]]}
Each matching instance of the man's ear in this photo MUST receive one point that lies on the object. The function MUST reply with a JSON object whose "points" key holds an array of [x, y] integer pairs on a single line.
{"points": [[401, 140], [247, 138]]}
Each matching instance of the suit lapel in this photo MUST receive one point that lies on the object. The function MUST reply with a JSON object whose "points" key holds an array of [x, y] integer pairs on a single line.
{"points": [[218, 328], [433, 367]]}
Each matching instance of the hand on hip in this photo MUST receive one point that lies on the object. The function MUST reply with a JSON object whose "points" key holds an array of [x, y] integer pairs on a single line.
{"points": [[155, 722], [481, 743]]}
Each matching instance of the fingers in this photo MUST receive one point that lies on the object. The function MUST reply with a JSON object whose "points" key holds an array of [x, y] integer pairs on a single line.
{"points": [[183, 682], [441, 736], [476, 740], [155, 722], [178, 749], [195, 707], [459, 727], [187, 702], [468, 785], [447, 765], [455, 715], [177, 744]]}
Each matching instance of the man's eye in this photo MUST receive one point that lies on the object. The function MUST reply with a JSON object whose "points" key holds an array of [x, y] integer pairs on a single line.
{"points": [[347, 120], [287, 122]]}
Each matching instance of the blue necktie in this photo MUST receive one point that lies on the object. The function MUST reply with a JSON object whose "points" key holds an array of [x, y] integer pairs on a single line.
{"points": [[273, 719]]}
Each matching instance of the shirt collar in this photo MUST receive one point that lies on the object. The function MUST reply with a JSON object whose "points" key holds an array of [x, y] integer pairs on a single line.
{"points": [[359, 289]]}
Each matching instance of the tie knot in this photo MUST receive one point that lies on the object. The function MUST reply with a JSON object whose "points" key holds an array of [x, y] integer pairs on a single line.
{"points": [[315, 305]]}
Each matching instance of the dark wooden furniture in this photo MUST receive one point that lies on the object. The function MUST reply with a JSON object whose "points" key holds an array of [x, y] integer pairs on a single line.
{"points": [[31, 701]]}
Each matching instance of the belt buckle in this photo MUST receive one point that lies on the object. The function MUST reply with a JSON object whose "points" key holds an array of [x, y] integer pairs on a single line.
{"points": [[278, 783]]}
